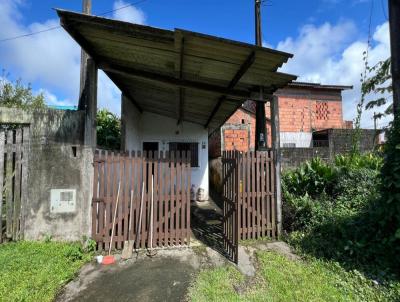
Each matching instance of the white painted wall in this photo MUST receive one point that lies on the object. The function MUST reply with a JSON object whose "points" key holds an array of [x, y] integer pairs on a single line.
{"points": [[301, 139], [150, 127]]}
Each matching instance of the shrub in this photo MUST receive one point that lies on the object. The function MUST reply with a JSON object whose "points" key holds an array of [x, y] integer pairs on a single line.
{"points": [[367, 160], [313, 178], [346, 219]]}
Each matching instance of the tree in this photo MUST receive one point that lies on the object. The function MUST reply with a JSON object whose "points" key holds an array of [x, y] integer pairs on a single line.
{"points": [[15, 94], [380, 83], [386, 211], [108, 130]]}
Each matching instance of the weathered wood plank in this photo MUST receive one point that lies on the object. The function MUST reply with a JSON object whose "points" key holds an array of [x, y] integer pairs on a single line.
{"points": [[9, 185], [2, 142]]}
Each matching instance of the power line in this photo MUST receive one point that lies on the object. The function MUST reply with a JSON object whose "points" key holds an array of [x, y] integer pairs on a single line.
{"points": [[30, 34], [57, 27]]}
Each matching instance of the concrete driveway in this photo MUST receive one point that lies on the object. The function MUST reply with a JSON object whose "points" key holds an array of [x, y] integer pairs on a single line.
{"points": [[165, 277]]}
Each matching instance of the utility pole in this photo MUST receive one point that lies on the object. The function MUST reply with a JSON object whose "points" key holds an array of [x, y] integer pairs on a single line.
{"points": [[260, 138], [86, 9], [394, 23], [88, 90]]}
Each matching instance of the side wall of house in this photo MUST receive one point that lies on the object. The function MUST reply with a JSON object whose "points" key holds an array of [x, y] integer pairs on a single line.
{"points": [[150, 127], [301, 111], [57, 160]]}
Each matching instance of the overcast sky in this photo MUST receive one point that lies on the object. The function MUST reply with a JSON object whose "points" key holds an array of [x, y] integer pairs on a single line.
{"points": [[327, 38]]}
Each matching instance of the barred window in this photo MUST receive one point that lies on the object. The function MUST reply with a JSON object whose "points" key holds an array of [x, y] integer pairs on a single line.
{"points": [[184, 147]]}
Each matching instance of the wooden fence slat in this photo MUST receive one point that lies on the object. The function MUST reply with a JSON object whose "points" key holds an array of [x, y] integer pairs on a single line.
{"points": [[17, 185], [178, 197], [167, 199], [8, 185], [127, 195], [263, 195], [273, 197], [268, 198], [24, 178], [188, 186], [95, 205], [140, 188], [155, 198], [102, 196], [135, 203], [172, 183], [2, 142], [160, 216]]}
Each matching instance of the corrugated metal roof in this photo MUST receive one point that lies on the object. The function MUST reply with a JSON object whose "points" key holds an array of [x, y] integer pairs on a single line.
{"points": [[181, 74]]}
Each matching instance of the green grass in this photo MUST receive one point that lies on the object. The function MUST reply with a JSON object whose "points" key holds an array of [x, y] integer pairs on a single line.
{"points": [[280, 279], [35, 271]]}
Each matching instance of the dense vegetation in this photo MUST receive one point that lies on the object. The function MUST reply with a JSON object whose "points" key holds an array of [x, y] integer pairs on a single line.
{"points": [[35, 271], [108, 130], [347, 212]]}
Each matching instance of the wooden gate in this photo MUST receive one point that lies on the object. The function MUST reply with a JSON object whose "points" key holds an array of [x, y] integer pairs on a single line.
{"points": [[164, 176], [13, 181], [249, 198], [230, 225]]}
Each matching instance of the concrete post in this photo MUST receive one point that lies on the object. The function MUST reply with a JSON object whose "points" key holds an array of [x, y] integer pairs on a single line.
{"points": [[123, 122], [275, 136], [89, 96]]}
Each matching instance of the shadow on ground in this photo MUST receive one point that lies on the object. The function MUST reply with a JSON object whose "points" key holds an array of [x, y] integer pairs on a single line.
{"points": [[206, 222]]}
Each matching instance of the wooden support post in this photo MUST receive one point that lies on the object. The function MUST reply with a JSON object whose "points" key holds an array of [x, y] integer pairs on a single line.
{"points": [[277, 160], [89, 97]]}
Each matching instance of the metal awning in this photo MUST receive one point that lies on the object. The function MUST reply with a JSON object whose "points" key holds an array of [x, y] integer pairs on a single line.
{"points": [[180, 74]]}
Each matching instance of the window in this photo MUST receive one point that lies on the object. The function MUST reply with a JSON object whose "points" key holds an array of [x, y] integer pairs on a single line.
{"points": [[184, 147], [150, 146]]}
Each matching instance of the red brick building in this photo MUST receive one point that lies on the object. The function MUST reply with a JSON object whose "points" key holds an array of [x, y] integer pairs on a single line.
{"points": [[303, 109]]}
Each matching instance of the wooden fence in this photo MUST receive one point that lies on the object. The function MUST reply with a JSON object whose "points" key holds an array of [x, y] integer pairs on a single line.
{"points": [[164, 176], [13, 181]]}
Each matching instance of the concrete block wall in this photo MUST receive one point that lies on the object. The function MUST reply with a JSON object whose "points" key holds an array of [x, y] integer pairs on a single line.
{"points": [[57, 159], [294, 157], [340, 140]]}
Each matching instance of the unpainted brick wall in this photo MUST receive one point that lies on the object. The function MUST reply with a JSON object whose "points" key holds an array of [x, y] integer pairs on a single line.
{"points": [[305, 115]]}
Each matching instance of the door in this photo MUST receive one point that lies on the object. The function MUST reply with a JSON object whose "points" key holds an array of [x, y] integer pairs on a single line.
{"points": [[230, 226]]}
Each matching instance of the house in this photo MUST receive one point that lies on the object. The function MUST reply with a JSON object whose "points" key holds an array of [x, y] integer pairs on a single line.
{"points": [[177, 87], [303, 109]]}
